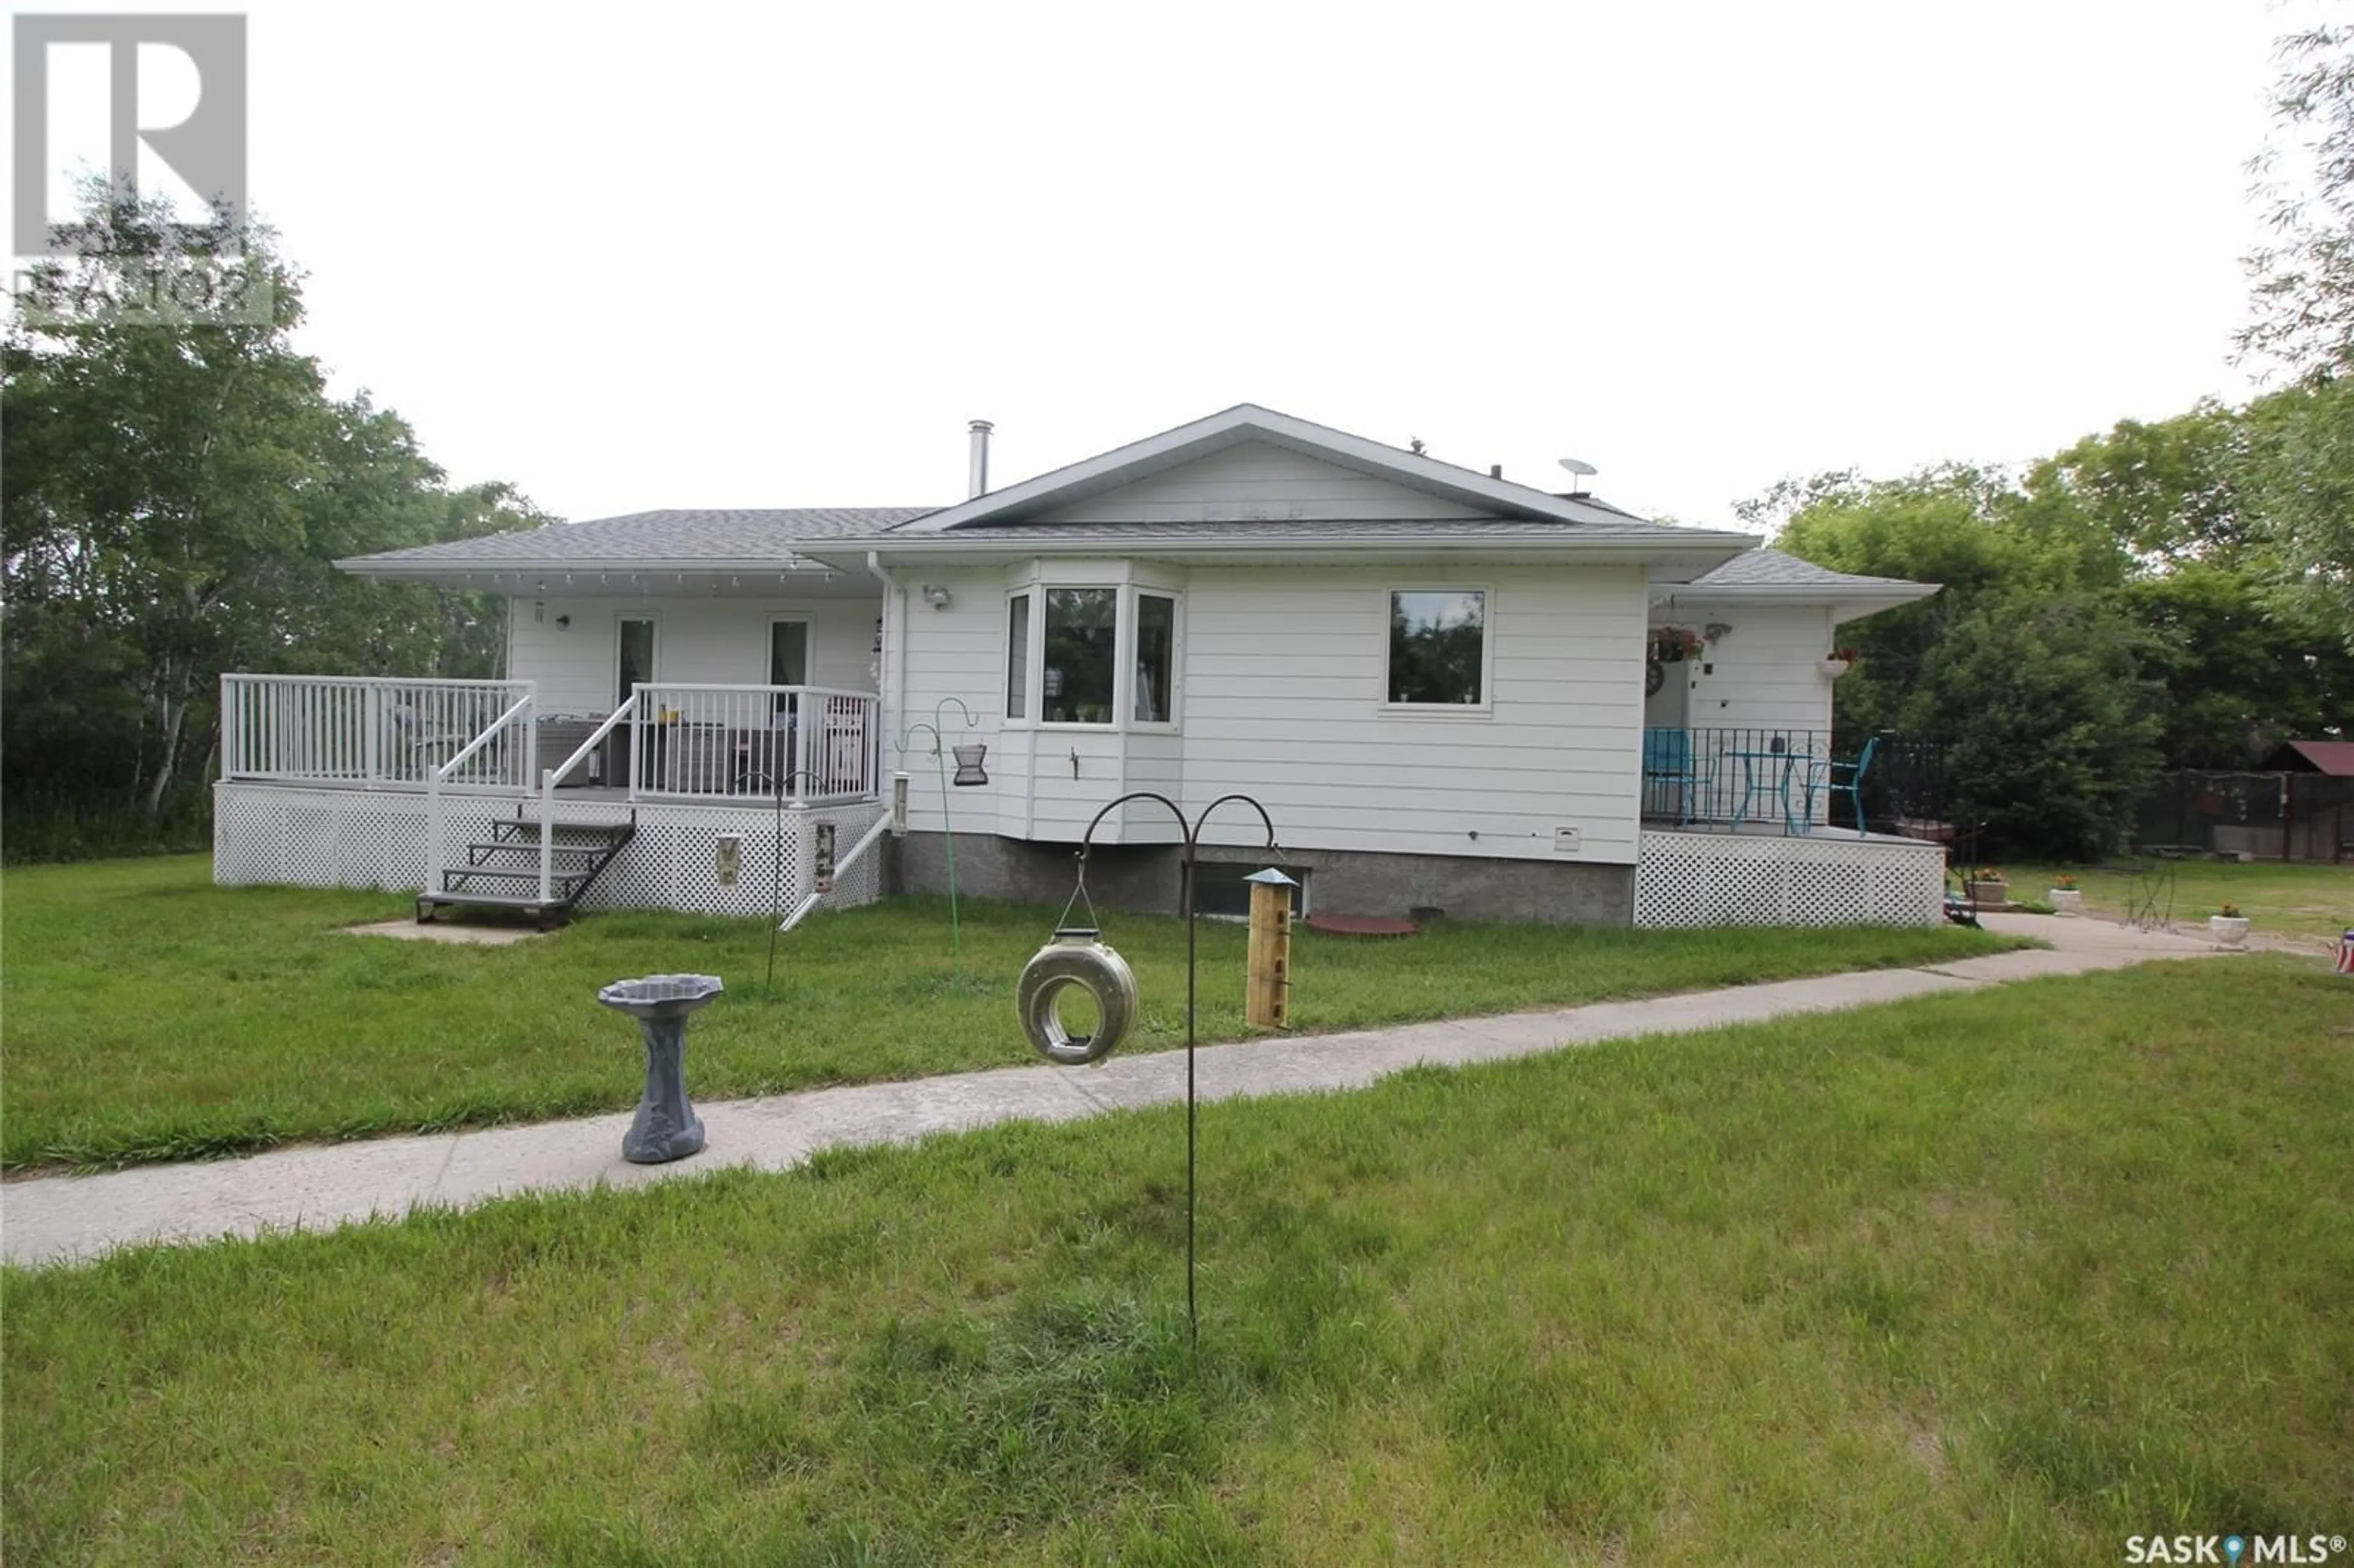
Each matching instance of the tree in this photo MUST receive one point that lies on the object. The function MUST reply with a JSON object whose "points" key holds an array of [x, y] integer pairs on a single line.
{"points": [[2238, 666], [176, 490], [2047, 727], [2304, 316], [2024, 669], [2300, 485]]}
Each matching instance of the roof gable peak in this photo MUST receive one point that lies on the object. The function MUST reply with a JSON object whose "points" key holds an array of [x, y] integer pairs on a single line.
{"points": [[1463, 492]]}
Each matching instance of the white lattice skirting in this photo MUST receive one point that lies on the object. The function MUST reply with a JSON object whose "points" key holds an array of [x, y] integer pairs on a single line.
{"points": [[1734, 879], [360, 838]]}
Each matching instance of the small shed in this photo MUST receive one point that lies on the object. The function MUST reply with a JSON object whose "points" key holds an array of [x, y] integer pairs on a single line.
{"points": [[2334, 758]]}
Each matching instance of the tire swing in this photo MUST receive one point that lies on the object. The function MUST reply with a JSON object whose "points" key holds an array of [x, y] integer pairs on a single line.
{"points": [[1076, 955]]}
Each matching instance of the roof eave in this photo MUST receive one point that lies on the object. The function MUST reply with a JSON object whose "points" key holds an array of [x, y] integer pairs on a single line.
{"points": [[414, 570], [1846, 603], [1704, 552]]}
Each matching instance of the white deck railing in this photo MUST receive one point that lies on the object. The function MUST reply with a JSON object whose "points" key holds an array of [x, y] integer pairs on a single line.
{"points": [[499, 737], [371, 731], [671, 741], [809, 743]]}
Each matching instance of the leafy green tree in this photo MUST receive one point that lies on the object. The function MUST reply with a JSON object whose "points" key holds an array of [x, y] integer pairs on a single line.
{"points": [[2049, 726], [2300, 484], [2302, 468], [2013, 668], [2240, 667], [2166, 492], [175, 492], [2304, 273]]}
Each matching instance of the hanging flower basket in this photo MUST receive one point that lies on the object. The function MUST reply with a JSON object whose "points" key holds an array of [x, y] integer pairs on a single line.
{"points": [[1674, 644]]}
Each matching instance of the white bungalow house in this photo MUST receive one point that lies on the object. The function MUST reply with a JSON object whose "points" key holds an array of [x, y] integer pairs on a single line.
{"points": [[1450, 690]]}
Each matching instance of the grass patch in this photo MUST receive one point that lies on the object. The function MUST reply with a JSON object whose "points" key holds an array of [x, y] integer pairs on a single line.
{"points": [[2312, 903], [2004, 1275], [151, 1015]]}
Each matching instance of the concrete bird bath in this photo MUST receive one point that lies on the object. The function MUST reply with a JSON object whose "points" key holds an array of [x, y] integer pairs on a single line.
{"points": [[666, 1127]]}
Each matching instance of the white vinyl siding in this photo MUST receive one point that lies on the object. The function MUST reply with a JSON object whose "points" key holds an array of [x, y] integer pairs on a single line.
{"points": [[1281, 677], [1255, 482], [722, 642], [1762, 674], [1283, 700], [957, 651]]}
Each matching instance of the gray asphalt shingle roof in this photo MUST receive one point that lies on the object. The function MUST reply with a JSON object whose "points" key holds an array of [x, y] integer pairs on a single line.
{"points": [[755, 535], [1772, 568], [1298, 528], [719, 536]]}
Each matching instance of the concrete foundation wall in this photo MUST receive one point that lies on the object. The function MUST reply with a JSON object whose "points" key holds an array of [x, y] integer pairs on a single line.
{"points": [[1145, 878]]}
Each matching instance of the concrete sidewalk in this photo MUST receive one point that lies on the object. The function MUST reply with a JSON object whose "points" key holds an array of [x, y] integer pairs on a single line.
{"points": [[59, 1218]]}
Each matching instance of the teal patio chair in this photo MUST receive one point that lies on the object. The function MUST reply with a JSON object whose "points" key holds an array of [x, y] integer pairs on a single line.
{"points": [[1847, 779], [1668, 763]]}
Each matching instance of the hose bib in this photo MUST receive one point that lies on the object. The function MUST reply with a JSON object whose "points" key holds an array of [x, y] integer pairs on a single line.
{"points": [[1077, 957]]}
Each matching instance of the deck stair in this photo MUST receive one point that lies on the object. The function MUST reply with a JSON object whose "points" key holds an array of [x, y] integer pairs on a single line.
{"points": [[502, 871]]}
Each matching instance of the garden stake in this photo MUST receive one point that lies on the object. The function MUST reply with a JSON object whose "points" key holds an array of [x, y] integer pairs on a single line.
{"points": [[1192, 832], [948, 829]]}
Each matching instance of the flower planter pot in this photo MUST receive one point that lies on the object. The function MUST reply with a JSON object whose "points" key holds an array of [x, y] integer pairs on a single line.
{"points": [[1986, 894], [2066, 900], [2229, 929], [1834, 668]]}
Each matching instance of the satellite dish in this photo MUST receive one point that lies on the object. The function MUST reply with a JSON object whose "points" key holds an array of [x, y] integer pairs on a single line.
{"points": [[1580, 471]]}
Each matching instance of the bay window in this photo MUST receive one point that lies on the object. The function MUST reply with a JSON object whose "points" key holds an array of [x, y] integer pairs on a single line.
{"points": [[1090, 654], [1080, 655]]}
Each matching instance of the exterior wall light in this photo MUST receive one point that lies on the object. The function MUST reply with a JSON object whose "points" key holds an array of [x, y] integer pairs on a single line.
{"points": [[937, 596]]}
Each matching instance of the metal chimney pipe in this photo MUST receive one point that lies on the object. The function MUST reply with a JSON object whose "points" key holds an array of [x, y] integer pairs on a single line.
{"points": [[980, 429]]}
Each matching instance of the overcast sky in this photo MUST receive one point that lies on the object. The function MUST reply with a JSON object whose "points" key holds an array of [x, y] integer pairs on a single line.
{"points": [[776, 255]]}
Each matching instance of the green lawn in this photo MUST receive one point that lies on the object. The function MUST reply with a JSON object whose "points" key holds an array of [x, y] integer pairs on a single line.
{"points": [[150, 1015], [2004, 1276], [2311, 903]]}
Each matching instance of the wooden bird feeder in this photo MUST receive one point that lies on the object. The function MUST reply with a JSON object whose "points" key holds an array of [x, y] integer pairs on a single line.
{"points": [[1266, 971]]}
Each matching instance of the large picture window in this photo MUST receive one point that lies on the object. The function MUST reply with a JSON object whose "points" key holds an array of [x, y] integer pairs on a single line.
{"points": [[1080, 665], [1438, 648]]}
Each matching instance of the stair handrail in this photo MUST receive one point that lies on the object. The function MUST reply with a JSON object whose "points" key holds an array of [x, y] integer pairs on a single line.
{"points": [[434, 780], [548, 781]]}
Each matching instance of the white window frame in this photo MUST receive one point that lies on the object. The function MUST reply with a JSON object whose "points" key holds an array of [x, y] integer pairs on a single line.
{"points": [[1029, 719], [1481, 709], [654, 675], [1131, 623], [809, 648], [1124, 630]]}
